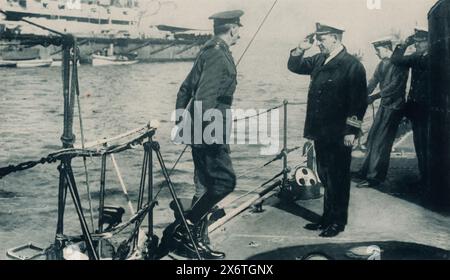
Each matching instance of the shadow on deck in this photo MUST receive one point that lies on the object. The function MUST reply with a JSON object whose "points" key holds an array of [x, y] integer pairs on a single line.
{"points": [[392, 250]]}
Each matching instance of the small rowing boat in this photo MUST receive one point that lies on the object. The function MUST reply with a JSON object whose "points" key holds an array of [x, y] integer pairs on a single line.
{"points": [[100, 60]]}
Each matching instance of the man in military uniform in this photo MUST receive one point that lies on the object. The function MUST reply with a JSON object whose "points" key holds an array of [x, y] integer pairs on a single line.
{"points": [[337, 102], [417, 100], [210, 85], [392, 82]]}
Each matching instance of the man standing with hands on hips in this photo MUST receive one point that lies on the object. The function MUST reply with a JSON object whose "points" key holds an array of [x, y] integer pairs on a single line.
{"points": [[337, 102]]}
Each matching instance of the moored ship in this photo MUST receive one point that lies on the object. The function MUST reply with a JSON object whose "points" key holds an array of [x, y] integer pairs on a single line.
{"points": [[97, 26]]}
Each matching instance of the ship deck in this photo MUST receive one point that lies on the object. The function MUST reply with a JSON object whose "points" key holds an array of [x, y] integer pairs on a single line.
{"points": [[392, 217]]}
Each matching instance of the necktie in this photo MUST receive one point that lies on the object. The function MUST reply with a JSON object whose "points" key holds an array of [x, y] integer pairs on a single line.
{"points": [[326, 57]]}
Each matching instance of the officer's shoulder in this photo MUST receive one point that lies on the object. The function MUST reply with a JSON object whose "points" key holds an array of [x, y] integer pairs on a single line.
{"points": [[213, 44], [351, 58], [212, 49], [353, 61]]}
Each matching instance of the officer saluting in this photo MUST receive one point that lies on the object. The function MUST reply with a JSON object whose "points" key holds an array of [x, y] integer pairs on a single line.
{"points": [[210, 84], [337, 102], [417, 101]]}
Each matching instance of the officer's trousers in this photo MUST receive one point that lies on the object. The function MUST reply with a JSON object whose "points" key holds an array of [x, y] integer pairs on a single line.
{"points": [[214, 171], [418, 115], [333, 166], [379, 144]]}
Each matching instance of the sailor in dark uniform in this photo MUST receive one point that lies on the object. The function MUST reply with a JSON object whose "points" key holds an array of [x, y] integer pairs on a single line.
{"points": [[211, 85], [417, 100], [337, 102], [392, 82]]}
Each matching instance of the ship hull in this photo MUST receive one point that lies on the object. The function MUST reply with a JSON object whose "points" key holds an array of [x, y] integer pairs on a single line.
{"points": [[34, 63], [144, 50]]}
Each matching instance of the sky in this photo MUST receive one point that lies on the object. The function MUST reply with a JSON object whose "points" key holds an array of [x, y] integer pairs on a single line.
{"points": [[296, 16], [290, 20]]}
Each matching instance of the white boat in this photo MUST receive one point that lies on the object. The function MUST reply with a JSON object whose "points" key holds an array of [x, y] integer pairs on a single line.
{"points": [[34, 63], [4, 63], [26, 63], [100, 60], [58, 63]]}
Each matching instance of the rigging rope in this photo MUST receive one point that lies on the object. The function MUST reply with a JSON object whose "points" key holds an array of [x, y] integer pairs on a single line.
{"points": [[258, 114], [257, 31], [77, 91]]}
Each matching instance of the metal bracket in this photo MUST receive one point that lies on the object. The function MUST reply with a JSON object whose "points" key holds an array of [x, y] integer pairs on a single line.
{"points": [[13, 253]]}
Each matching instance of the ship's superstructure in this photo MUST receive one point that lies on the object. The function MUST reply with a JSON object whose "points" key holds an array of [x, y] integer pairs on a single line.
{"points": [[98, 25], [80, 17]]}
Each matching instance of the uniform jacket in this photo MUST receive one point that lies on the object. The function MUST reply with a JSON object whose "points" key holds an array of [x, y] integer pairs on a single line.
{"points": [[212, 81], [392, 80], [337, 94], [419, 63]]}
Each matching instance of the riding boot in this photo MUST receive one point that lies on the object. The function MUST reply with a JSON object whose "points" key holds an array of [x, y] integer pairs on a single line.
{"points": [[202, 206], [203, 242], [185, 245], [204, 230]]}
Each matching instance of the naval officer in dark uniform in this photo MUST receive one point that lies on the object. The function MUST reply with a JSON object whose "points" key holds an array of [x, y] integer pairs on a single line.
{"points": [[210, 84], [337, 102], [417, 100], [391, 80]]}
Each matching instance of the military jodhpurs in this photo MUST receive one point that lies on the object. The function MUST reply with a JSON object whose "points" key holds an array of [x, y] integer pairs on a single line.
{"points": [[199, 188], [215, 172], [379, 144], [333, 167]]}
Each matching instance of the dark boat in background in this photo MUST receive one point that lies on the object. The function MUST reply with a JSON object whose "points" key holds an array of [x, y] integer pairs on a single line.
{"points": [[20, 53], [17, 56]]}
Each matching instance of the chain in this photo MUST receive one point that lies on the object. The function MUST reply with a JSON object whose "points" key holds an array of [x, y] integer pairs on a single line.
{"points": [[25, 165], [75, 152]]}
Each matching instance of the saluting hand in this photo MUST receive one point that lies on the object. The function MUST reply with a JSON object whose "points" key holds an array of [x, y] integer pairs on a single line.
{"points": [[307, 42], [349, 140], [410, 40]]}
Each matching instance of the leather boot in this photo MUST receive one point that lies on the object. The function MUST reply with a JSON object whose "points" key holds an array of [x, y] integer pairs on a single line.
{"points": [[204, 231], [186, 249], [203, 242], [184, 246]]}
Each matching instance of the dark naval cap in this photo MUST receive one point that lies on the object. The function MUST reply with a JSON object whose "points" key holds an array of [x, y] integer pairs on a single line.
{"points": [[323, 29], [383, 42], [227, 17], [420, 34]]}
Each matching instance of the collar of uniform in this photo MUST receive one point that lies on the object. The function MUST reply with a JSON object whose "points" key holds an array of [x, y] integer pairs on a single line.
{"points": [[216, 41], [334, 53]]}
